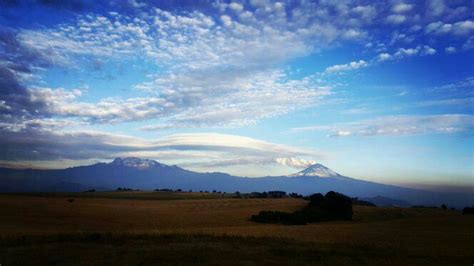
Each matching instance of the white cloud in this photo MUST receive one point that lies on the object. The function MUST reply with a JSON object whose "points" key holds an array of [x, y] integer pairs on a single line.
{"points": [[459, 28], [436, 7], [200, 149], [396, 19], [402, 7], [236, 6], [384, 57], [226, 20], [366, 12], [419, 50], [450, 49], [295, 162], [222, 70], [399, 125], [428, 50], [345, 67]]}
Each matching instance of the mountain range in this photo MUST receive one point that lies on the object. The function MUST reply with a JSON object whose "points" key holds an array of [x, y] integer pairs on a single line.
{"points": [[148, 174]]}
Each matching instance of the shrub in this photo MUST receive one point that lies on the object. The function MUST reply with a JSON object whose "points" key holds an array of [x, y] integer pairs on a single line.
{"points": [[337, 206], [333, 206], [468, 210], [316, 200]]}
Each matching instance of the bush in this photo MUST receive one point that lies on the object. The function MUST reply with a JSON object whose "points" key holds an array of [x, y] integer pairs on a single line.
{"points": [[333, 206], [468, 210], [356, 201], [337, 206]]}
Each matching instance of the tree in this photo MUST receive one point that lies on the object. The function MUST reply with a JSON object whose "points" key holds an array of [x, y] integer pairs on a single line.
{"points": [[468, 211]]}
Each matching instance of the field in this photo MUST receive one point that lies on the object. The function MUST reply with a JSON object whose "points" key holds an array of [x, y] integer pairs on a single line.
{"points": [[124, 228]]}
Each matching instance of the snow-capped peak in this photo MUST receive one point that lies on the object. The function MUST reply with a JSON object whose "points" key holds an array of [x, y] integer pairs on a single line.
{"points": [[317, 170], [136, 162]]}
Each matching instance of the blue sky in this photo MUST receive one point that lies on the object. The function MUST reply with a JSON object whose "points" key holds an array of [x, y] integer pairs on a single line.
{"points": [[380, 91]]}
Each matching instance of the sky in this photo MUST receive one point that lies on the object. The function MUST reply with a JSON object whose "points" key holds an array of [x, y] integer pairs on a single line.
{"points": [[376, 90]]}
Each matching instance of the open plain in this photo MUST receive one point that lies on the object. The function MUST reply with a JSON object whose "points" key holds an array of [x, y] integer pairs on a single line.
{"points": [[168, 228]]}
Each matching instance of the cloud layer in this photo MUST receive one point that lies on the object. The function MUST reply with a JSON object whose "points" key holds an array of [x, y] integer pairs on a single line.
{"points": [[399, 125]]}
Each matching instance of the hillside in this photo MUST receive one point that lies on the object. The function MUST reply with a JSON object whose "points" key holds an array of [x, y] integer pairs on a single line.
{"points": [[147, 174]]}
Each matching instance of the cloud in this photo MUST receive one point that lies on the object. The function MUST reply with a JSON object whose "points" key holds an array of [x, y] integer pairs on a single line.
{"points": [[37, 141], [436, 7], [396, 19], [402, 7], [384, 57], [217, 70], [226, 20], [295, 162], [450, 49], [459, 28], [419, 50], [366, 12], [346, 67], [205, 66], [236, 6], [399, 125]]}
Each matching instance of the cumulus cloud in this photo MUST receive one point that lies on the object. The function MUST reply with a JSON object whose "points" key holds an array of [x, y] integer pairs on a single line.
{"points": [[459, 28], [396, 19], [450, 49], [399, 125], [419, 50], [345, 67], [402, 7], [384, 57], [206, 66], [236, 6]]}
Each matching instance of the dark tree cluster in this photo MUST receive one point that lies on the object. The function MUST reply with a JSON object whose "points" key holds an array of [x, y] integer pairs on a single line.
{"points": [[124, 189], [356, 201], [265, 195], [468, 210], [332, 206], [295, 195]]}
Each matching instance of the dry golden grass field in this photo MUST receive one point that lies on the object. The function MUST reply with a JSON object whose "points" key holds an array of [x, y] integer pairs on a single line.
{"points": [[111, 230]]}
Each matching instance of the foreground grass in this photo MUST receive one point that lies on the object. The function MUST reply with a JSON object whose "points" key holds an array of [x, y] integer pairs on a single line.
{"points": [[107, 231], [129, 195], [175, 249]]}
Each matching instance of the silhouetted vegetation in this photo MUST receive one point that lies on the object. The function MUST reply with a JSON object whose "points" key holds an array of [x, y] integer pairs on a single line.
{"points": [[444, 207], [295, 195], [332, 206], [468, 210], [89, 191], [357, 201], [266, 195], [124, 189]]}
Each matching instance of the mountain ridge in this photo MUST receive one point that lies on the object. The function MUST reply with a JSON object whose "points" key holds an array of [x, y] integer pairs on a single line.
{"points": [[149, 174]]}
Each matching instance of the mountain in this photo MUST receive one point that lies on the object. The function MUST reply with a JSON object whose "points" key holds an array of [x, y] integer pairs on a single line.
{"points": [[386, 202], [148, 174], [318, 170]]}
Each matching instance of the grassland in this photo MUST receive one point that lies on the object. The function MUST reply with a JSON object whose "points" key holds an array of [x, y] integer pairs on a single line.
{"points": [[49, 229]]}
